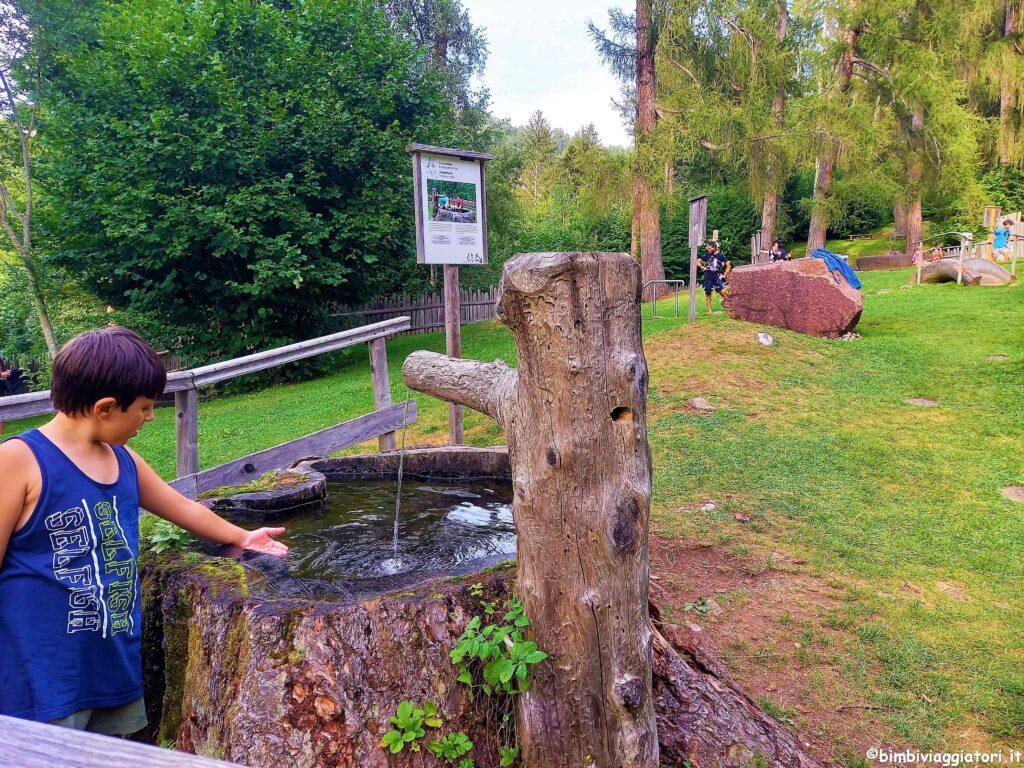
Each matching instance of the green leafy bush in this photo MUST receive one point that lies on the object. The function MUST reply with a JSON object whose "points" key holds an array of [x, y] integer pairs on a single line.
{"points": [[236, 165]]}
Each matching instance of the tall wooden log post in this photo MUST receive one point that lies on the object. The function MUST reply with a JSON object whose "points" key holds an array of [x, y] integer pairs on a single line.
{"points": [[575, 416]]}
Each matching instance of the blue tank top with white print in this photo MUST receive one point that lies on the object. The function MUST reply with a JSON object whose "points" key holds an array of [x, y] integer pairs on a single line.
{"points": [[70, 619]]}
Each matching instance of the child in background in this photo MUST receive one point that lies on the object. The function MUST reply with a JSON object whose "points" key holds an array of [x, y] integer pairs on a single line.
{"points": [[716, 266], [1001, 241], [778, 252], [70, 494]]}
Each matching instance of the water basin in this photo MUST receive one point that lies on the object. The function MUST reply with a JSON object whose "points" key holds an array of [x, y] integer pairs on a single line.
{"points": [[345, 546]]}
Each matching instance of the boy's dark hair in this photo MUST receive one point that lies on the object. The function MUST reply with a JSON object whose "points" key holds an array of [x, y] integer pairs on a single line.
{"points": [[107, 362]]}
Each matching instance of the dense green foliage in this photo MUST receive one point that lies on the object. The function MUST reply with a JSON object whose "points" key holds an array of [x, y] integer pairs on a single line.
{"points": [[232, 166]]}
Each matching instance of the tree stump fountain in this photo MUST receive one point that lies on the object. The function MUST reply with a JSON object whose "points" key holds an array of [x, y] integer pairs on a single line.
{"points": [[574, 413]]}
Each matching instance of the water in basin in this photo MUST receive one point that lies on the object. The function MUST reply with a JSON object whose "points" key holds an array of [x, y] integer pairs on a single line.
{"points": [[346, 546]]}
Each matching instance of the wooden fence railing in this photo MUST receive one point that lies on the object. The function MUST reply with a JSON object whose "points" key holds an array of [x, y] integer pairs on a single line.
{"points": [[426, 313], [37, 745], [382, 423]]}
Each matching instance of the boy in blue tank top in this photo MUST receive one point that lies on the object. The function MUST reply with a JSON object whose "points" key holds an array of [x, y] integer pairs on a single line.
{"points": [[70, 493]]}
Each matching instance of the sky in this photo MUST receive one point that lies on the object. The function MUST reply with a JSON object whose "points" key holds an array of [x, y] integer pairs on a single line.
{"points": [[541, 57]]}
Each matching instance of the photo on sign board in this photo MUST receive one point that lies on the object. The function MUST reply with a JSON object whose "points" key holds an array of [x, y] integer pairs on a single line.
{"points": [[451, 201]]}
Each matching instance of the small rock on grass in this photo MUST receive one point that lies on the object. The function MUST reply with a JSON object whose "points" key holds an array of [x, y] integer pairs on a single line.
{"points": [[766, 339], [740, 518], [921, 402], [713, 607], [701, 404], [708, 507], [1014, 492]]}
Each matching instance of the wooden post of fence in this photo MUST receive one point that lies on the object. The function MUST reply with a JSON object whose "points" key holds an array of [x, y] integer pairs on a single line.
{"points": [[381, 388], [187, 431], [453, 343]]}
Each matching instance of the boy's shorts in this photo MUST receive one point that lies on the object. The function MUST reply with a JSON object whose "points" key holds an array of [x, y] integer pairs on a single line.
{"points": [[120, 720], [713, 283]]}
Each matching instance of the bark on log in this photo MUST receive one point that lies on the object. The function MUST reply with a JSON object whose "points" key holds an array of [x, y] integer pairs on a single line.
{"points": [[576, 424], [298, 683], [704, 718]]}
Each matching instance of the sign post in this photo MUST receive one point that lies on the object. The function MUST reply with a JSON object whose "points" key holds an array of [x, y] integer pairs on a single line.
{"points": [[451, 229], [698, 229]]}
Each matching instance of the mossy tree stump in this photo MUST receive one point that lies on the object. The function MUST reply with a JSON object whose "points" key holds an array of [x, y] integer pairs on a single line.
{"points": [[575, 415]]}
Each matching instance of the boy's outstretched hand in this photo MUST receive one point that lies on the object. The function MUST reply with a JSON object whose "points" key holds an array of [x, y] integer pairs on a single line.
{"points": [[260, 541]]}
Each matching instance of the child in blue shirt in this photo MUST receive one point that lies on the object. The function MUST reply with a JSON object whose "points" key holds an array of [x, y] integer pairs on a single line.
{"points": [[70, 494], [1001, 241]]}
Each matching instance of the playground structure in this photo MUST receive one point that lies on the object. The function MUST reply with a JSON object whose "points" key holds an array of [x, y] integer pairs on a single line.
{"points": [[968, 262], [965, 272]]}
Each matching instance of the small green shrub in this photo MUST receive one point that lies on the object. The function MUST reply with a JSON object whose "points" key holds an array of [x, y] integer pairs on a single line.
{"points": [[158, 535], [451, 747], [410, 724]]}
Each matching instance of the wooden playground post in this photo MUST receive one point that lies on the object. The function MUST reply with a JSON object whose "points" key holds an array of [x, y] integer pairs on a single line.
{"points": [[992, 214], [575, 415], [1018, 241], [698, 231]]}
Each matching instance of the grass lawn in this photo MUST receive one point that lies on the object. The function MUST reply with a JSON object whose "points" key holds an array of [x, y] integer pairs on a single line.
{"points": [[897, 507]]}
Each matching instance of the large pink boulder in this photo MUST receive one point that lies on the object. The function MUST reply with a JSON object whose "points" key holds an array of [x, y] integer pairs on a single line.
{"points": [[799, 295]]}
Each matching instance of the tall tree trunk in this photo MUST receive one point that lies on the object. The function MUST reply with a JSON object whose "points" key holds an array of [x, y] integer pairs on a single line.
{"points": [[646, 224], [825, 165], [899, 216], [9, 217], [824, 169], [575, 416], [915, 171], [39, 299], [1007, 93], [776, 173]]}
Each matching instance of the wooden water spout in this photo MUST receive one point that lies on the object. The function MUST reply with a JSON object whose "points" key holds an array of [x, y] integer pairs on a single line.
{"points": [[575, 415]]}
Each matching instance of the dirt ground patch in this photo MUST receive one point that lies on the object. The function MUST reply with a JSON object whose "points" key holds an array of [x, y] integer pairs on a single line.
{"points": [[764, 617]]}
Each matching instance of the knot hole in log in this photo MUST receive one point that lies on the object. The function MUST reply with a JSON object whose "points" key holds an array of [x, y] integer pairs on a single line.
{"points": [[630, 693], [625, 520], [623, 414]]}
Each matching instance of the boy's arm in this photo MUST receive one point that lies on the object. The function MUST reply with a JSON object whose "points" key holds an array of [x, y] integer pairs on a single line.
{"points": [[13, 481], [159, 498]]}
